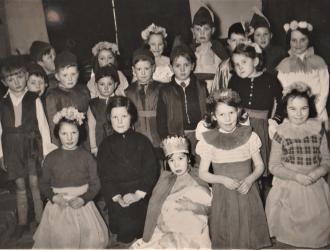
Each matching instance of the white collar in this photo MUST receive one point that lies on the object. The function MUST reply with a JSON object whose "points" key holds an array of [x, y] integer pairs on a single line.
{"points": [[15, 100], [187, 81]]}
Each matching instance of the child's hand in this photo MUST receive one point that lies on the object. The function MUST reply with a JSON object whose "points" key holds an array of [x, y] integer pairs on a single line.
{"points": [[122, 203], [131, 198], [60, 201], [94, 151], [188, 205], [76, 202], [3, 166], [315, 177], [245, 186], [230, 183], [304, 180]]}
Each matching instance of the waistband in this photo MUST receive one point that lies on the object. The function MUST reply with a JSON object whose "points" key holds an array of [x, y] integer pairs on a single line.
{"points": [[71, 192]]}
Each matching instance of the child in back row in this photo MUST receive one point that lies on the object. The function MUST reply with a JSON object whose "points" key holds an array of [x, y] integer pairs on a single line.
{"points": [[237, 215], [37, 80], [68, 93], [298, 205], [24, 140], [106, 79], [105, 53]]}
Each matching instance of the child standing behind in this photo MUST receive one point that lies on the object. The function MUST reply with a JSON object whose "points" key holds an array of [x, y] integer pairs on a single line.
{"points": [[105, 53], [181, 103], [209, 52], [68, 93], [37, 80], [298, 205], [25, 139], [70, 183], [144, 94], [106, 79], [129, 170], [237, 216]]}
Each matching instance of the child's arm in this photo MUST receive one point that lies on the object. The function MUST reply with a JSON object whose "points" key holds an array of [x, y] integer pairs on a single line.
{"points": [[277, 90], [325, 161], [4, 168], [47, 146], [321, 99], [212, 178], [91, 131], [257, 172]]}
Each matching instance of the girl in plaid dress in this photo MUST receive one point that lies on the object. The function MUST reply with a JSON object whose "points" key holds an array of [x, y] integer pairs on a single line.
{"points": [[298, 205]]}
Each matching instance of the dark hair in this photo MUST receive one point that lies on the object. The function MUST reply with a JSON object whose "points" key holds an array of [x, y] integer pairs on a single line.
{"points": [[304, 31], [95, 62], [81, 129], [143, 54], [184, 51], [190, 158], [107, 71], [122, 101], [12, 64], [226, 96], [35, 69], [294, 93], [236, 28], [249, 51]]}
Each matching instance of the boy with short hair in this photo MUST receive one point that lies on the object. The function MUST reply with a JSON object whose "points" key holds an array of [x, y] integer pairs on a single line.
{"points": [[37, 81], [24, 138], [144, 94], [182, 102], [107, 81], [44, 54]]}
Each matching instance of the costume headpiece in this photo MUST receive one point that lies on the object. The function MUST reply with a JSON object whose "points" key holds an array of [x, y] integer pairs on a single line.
{"points": [[175, 144], [299, 86], [153, 29], [293, 25], [222, 95], [258, 20], [203, 16], [105, 45], [70, 113]]}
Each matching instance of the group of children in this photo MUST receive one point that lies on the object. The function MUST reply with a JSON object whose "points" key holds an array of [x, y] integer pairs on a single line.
{"points": [[222, 121]]}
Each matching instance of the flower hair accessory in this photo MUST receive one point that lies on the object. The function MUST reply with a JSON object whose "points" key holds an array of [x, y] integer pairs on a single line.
{"points": [[293, 25], [105, 45], [175, 144], [152, 28], [71, 114], [223, 94], [299, 86]]}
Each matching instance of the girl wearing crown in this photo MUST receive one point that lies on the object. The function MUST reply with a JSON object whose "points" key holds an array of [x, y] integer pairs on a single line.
{"points": [[298, 205], [303, 65], [70, 182], [237, 216], [179, 205]]}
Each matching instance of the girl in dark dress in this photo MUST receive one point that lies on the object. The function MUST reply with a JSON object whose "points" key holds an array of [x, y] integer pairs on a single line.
{"points": [[129, 170]]}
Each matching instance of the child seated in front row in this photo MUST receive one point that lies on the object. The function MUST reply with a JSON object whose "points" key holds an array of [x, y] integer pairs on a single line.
{"points": [[177, 215], [24, 139], [106, 79], [70, 182]]}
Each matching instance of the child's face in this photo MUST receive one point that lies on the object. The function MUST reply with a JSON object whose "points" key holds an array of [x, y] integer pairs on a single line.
{"points": [[105, 57], [143, 71], [36, 84], [182, 68], [47, 62], [226, 117], [235, 39], [202, 33], [178, 163], [156, 44], [298, 42], [69, 136], [262, 37], [16, 80], [244, 65], [106, 86], [298, 110], [67, 77], [120, 119]]}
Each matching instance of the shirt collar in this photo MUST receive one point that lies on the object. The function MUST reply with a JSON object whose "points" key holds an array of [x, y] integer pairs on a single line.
{"points": [[187, 81], [15, 100]]}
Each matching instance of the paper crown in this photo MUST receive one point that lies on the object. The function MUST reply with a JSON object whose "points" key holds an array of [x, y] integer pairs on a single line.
{"points": [[259, 20], [203, 16], [175, 144]]}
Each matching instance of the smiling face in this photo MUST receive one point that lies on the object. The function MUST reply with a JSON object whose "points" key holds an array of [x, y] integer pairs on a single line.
{"points": [[69, 135], [67, 77], [156, 44], [182, 68], [16, 80], [244, 65], [105, 57], [299, 42], [262, 36], [202, 33], [120, 119], [226, 116], [298, 110], [178, 163]]}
